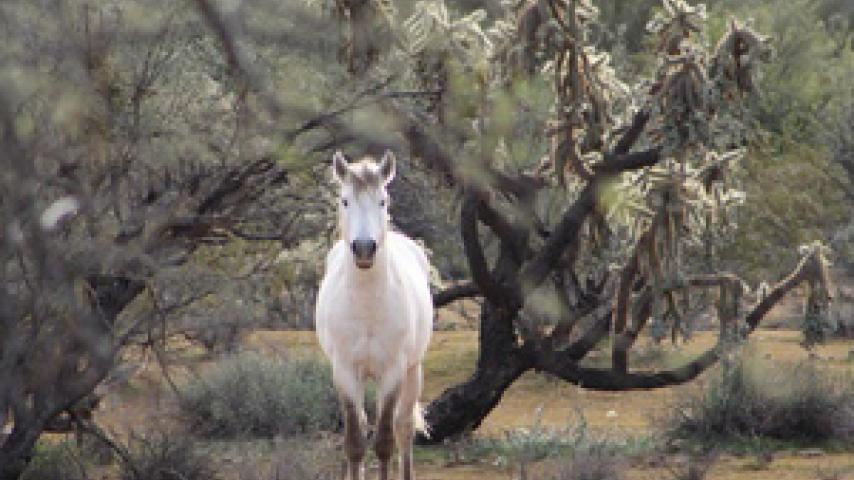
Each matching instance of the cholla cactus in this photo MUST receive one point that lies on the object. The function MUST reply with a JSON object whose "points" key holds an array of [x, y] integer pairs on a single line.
{"points": [[735, 60], [430, 27], [676, 23], [441, 45]]}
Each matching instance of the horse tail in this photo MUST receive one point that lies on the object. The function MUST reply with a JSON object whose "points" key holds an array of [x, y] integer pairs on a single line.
{"points": [[418, 417]]}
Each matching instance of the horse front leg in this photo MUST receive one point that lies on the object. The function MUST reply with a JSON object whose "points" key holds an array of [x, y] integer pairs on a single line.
{"points": [[355, 439], [404, 422], [384, 444]]}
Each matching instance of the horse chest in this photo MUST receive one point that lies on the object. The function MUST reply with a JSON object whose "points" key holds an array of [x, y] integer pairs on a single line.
{"points": [[374, 327]]}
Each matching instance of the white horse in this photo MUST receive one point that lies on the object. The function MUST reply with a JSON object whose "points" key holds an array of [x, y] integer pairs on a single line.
{"points": [[374, 316]]}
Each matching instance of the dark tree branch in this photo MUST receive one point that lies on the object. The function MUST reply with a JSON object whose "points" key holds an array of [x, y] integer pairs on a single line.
{"points": [[325, 118], [625, 337], [566, 232], [628, 277], [561, 332], [233, 55], [503, 229], [474, 250], [610, 380], [457, 292], [587, 342], [801, 273], [558, 363], [631, 135], [614, 164]]}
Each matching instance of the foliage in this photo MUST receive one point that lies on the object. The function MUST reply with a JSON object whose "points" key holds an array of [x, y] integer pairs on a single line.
{"points": [[749, 398], [525, 445], [303, 458], [164, 164], [695, 468], [162, 455], [591, 463], [56, 461], [125, 148], [693, 103], [794, 178], [572, 451], [595, 190], [249, 394]]}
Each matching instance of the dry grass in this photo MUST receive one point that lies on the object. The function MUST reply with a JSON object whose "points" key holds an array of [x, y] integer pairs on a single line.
{"points": [[452, 356], [451, 359]]}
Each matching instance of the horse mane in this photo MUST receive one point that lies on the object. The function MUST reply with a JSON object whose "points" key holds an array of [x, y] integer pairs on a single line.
{"points": [[365, 174]]}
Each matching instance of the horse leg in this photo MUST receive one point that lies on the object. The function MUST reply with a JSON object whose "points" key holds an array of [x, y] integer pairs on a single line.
{"points": [[385, 437], [355, 439], [404, 421], [351, 393]]}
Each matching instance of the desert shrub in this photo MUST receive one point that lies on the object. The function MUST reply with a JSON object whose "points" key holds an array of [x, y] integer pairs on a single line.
{"points": [[55, 461], [522, 445], [695, 467], [593, 462], [571, 452], [749, 398], [249, 394], [163, 455], [286, 459]]}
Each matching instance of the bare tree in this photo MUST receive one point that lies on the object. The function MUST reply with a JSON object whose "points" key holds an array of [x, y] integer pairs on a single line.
{"points": [[111, 179]]}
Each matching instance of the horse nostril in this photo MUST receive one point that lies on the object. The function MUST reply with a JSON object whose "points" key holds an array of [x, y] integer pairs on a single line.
{"points": [[364, 248]]}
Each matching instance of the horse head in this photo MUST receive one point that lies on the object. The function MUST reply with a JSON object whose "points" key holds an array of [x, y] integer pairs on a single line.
{"points": [[363, 205]]}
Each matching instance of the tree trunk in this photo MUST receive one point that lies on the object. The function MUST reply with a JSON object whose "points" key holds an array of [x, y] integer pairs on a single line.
{"points": [[500, 362], [17, 451], [12, 470]]}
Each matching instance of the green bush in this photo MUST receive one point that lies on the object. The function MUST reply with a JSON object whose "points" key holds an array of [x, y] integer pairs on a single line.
{"points": [[572, 452], [751, 398], [164, 455], [285, 459], [55, 461], [252, 395], [593, 462]]}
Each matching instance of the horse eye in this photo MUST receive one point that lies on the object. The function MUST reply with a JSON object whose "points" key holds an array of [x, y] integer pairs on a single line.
{"points": [[382, 203], [345, 202]]}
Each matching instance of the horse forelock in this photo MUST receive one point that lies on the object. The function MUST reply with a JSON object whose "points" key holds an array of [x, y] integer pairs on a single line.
{"points": [[365, 174]]}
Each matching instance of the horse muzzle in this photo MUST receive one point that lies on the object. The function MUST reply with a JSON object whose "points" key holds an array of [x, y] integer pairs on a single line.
{"points": [[364, 252]]}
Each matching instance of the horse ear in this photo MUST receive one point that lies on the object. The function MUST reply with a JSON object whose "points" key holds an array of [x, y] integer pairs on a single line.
{"points": [[387, 167], [339, 166]]}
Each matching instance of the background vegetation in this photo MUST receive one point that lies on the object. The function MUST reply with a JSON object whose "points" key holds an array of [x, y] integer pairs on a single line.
{"points": [[164, 192]]}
